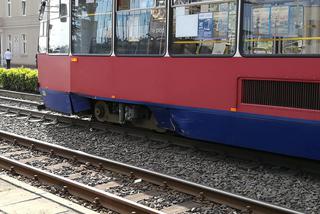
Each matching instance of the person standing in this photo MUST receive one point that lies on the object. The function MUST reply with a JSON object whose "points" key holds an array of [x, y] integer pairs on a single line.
{"points": [[8, 58]]}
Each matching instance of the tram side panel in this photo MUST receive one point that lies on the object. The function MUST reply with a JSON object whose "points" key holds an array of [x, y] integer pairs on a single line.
{"points": [[55, 82]]}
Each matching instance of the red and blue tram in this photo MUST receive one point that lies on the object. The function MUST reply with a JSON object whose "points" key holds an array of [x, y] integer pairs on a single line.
{"points": [[242, 73]]}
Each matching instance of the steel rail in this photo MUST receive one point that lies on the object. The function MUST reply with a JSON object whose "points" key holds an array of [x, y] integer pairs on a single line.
{"points": [[204, 192], [311, 166], [40, 114], [88, 193], [21, 95], [20, 101]]}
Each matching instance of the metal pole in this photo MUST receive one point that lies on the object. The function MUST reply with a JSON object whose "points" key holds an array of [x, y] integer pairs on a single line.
{"points": [[1, 50]]}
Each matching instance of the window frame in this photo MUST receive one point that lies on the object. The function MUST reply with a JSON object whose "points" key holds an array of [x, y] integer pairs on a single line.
{"points": [[241, 44], [9, 8], [46, 36], [173, 55], [46, 31], [69, 30], [112, 32], [24, 44], [141, 55], [24, 7], [9, 42]]}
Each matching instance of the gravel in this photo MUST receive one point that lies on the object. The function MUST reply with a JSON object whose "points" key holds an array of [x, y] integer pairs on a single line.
{"points": [[277, 185], [166, 199], [211, 208], [127, 187]]}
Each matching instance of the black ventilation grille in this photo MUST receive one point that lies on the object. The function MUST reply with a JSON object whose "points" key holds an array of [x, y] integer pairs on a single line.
{"points": [[303, 95]]}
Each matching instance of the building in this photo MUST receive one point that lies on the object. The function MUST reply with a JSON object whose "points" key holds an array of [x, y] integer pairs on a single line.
{"points": [[19, 30]]}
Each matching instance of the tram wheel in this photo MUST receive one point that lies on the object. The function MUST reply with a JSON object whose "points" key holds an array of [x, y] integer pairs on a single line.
{"points": [[100, 111]]}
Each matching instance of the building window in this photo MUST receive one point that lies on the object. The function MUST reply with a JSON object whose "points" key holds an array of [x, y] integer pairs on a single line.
{"points": [[9, 8], [24, 7], [24, 44], [10, 42]]}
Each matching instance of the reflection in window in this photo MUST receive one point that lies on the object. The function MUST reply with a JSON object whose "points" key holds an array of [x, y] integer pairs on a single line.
{"points": [[141, 27], [59, 27], [43, 33], [91, 26], [203, 28], [281, 27]]}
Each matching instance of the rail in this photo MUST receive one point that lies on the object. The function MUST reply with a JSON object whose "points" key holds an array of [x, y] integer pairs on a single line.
{"points": [[20, 95], [23, 101]]}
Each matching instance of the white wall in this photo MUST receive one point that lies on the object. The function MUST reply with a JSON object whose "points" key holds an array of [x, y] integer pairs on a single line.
{"points": [[16, 25]]}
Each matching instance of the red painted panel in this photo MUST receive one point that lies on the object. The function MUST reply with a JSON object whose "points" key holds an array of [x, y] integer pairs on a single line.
{"points": [[188, 82], [194, 82], [54, 72]]}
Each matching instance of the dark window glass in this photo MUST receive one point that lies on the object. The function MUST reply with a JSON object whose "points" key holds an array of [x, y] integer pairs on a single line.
{"points": [[141, 27], [24, 7], [91, 26], [59, 27], [203, 28], [280, 27]]}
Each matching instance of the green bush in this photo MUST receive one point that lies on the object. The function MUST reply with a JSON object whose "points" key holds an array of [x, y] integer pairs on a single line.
{"points": [[19, 79]]}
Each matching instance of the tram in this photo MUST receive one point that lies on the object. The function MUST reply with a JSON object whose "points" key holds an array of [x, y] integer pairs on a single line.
{"points": [[241, 73]]}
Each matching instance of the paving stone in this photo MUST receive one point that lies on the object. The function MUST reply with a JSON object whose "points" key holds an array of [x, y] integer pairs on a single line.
{"points": [[35, 206], [17, 197]]}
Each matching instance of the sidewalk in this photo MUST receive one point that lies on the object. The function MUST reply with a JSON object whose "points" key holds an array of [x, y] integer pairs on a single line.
{"points": [[17, 197]]}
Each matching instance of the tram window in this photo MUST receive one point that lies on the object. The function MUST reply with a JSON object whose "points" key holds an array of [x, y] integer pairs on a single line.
{"points": [[91, 26], [140, 27], [205, 28], [280, 27], [59, 27], [43, 33], [43, 38]]}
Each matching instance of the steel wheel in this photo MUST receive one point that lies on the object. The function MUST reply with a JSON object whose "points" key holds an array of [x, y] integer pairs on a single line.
{"points": [[100, 111]]}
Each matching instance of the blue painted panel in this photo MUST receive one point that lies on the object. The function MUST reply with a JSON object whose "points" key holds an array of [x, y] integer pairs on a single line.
{"points": [[278, 135], [202, 124], [80, 103], [283, 136], [163, 117], [57, 100]]}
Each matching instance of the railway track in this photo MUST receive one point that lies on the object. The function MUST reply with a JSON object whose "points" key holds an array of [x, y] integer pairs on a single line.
{"points": [[71, 170], [20, 96], [48, 117], [27, 102]]}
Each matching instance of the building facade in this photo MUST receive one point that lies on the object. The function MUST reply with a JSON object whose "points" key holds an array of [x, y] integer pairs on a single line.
{"points": [[19, 30]]}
